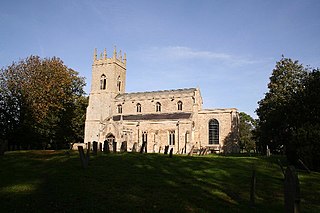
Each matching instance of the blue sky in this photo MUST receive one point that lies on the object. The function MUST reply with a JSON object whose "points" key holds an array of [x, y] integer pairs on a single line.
{"points": [[226, 48]]}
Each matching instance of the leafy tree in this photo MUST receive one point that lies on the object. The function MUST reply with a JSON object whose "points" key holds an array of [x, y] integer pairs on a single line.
{"points": [[274, 109], [246, 128], [37, 96]]}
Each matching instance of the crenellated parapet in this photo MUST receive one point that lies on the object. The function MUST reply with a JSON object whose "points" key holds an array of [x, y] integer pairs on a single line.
{"points": [[117, 58]]}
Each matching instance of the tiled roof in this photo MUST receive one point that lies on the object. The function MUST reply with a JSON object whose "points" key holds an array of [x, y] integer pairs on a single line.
{"points": [[160, 116]]}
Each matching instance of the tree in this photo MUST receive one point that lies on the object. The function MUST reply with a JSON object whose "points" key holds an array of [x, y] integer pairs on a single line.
{"points": [[37, 96], [246, 128], [275, 108]]}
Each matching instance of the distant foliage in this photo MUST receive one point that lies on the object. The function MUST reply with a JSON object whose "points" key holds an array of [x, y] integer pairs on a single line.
{"points": [[40, 103], [289, 113], [246, 132]]}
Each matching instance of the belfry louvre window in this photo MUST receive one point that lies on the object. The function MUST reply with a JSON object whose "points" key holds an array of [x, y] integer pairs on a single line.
{"points": [[119, 108], [171, 137], [213, 132], [138, 107], [103, 82], [158, 107], [119, 83], [179, 105]]}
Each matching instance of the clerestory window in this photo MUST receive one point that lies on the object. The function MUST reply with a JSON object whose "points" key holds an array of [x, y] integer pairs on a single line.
{"points": [[179, 105], [119, 108], [138, 107], [158, 107]]}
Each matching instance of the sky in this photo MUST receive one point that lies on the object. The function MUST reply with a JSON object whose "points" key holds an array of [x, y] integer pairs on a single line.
{"points": [[227, 48]]}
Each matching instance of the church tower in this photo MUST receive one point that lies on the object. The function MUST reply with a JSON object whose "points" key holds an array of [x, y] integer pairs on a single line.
{"points": [[108, 80]]}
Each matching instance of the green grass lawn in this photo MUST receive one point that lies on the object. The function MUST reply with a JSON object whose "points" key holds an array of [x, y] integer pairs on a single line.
{"points": [[51, 181]]}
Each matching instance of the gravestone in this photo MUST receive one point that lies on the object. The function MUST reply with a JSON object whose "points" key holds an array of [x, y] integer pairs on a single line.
{"points": [[160, 149], [114, 147], [191, 151], [268, 151], [143, 147], [166, 148], [253, 187], [106, 148], [291, 190], [95, 147], [171, 153], [84, 158], [100, 147], [134, 147], [123, 147]]}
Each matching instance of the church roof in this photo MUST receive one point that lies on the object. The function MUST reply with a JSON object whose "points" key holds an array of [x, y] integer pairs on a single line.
{"points": [[154, 93], [160, 116]]}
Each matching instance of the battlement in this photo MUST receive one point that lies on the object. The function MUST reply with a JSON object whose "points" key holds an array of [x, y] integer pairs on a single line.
{"points": [[116, 58]]}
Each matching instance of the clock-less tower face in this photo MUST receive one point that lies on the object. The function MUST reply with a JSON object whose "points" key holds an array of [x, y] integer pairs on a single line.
{"points": [[108, 80]]}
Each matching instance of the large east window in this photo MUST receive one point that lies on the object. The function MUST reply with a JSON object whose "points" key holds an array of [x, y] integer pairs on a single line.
{"points": [[213, 131]]}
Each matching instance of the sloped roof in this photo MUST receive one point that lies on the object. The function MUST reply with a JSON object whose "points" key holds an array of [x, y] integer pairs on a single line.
{"points": [[154, 93]]}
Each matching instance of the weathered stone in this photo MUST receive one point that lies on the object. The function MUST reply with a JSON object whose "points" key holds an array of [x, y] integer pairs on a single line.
{"points": [[135, 147], [166, 148], [123, 147], [171, 153], [114, 147], [106, 148]]}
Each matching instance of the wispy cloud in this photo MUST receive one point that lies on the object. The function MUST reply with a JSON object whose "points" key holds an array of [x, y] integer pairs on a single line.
{"points": [[186, 53]]}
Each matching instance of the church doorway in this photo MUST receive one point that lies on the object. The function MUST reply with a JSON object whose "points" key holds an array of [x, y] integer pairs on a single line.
{"points": [[111, 142]]}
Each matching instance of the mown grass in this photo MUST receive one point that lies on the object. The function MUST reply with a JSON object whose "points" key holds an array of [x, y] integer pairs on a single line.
{"points": [[51, 181]]}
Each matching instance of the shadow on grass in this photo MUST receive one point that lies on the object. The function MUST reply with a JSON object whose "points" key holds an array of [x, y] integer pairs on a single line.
{"points": [[131, 182]]}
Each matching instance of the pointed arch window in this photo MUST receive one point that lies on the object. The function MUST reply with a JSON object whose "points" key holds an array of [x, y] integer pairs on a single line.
{"points": [[138, 107], [213, 131], [119, 108], [103, 82], [179, 105], [158, 107], [119, 83]]}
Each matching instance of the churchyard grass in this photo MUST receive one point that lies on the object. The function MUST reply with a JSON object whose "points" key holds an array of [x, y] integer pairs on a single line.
{"points": [[53, 181]]}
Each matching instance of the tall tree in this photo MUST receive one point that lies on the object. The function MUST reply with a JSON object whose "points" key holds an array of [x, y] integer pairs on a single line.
{"points": [[274, 109], [36, 93]]}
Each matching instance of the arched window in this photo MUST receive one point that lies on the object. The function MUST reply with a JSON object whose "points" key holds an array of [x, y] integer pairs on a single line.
{"points": [[119, 108], [103, 82], [138, 107], [179, 105], [119, 83], [158, 107], [171, 137], [213, 131]]}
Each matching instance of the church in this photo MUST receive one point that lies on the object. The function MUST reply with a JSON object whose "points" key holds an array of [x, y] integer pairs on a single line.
{"points": [[157, 119]]}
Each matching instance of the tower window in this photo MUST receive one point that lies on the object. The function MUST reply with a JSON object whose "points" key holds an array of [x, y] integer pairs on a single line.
{"points": [[213, 132], [119, 108], [119, 83], [158, 107], [179, 105], [138, 107], [103, 82], [171, 137]]}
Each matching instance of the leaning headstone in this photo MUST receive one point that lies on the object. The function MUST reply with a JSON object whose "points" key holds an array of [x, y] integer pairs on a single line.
{"points": [[106, 148], [291, 190], [166, 148], [123, 147], [84, 158], [171, 153], [134, 147], [191, 151], [160, 149], [114, 147], [95, 147]]}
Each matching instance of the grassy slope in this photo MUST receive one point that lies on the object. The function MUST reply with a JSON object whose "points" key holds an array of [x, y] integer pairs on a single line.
{"points": [[48, 181]]}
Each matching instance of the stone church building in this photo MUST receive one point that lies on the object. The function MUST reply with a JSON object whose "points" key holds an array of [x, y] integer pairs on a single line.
{"points": [[158, 118]]}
